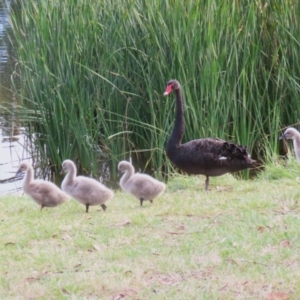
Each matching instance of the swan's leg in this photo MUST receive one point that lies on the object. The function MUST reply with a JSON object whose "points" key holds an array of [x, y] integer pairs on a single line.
{"points": [[151, 201], [206, 183], [87, 207], [141, 201], [103, 207], [42, 206]]}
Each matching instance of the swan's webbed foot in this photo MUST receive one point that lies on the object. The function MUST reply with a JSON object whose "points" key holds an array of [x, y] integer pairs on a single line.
{"points": [[141, 201], [206, 183], [103, 207], [87, 207], [151, 201]]}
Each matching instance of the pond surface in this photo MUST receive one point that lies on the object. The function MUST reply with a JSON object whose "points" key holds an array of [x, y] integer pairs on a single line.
{"points": [[12, 138]]}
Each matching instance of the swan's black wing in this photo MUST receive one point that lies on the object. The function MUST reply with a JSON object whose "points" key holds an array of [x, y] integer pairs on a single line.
{"points": [[211, 157]]}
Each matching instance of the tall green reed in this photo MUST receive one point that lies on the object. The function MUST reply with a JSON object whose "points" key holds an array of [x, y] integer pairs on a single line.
{"points": [[94, 73]]}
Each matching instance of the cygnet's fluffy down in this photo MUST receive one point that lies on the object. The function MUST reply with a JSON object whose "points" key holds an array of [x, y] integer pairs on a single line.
{"points": [[141, 186], [293, 134], [85, 190], [44, 193]]}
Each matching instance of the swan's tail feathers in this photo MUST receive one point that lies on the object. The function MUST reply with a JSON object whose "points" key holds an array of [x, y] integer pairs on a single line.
{"points": [[234, 151], [252, 163]]}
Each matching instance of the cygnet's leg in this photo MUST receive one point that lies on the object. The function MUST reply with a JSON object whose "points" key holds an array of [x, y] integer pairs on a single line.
{"points": [[151, 201], [87, 207], [103, 207], [141, 201], [206, 183]]}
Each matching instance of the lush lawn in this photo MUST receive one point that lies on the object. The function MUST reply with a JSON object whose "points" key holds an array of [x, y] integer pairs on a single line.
{"points": [[241, 240]]}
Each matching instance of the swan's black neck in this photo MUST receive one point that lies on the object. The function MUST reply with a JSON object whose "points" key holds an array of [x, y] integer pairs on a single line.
{"points": [[178, 130]]}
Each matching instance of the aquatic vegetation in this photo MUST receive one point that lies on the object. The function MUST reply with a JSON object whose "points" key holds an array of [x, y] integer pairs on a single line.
{"points": [[93, 74]]}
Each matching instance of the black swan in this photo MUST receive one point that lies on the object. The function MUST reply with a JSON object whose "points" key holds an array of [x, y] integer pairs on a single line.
{"points": [[293, 134], [208, 156]]}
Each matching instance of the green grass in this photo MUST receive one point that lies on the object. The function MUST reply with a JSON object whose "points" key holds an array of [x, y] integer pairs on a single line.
{"points": [[241, 240]]}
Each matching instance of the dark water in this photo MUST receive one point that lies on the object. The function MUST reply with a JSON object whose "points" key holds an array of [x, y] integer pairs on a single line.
{"points": [[12, 138]]}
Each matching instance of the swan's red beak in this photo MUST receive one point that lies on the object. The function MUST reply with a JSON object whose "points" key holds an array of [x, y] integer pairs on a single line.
{"points": [[168, 90]]}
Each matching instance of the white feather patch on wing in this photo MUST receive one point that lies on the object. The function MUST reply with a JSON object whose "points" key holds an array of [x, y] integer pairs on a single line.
{"points": [[222, 158]]}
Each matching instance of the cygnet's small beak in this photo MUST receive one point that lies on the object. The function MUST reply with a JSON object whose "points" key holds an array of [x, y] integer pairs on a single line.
{"points": [[18, 173], [282, 137], [61, 172]]}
